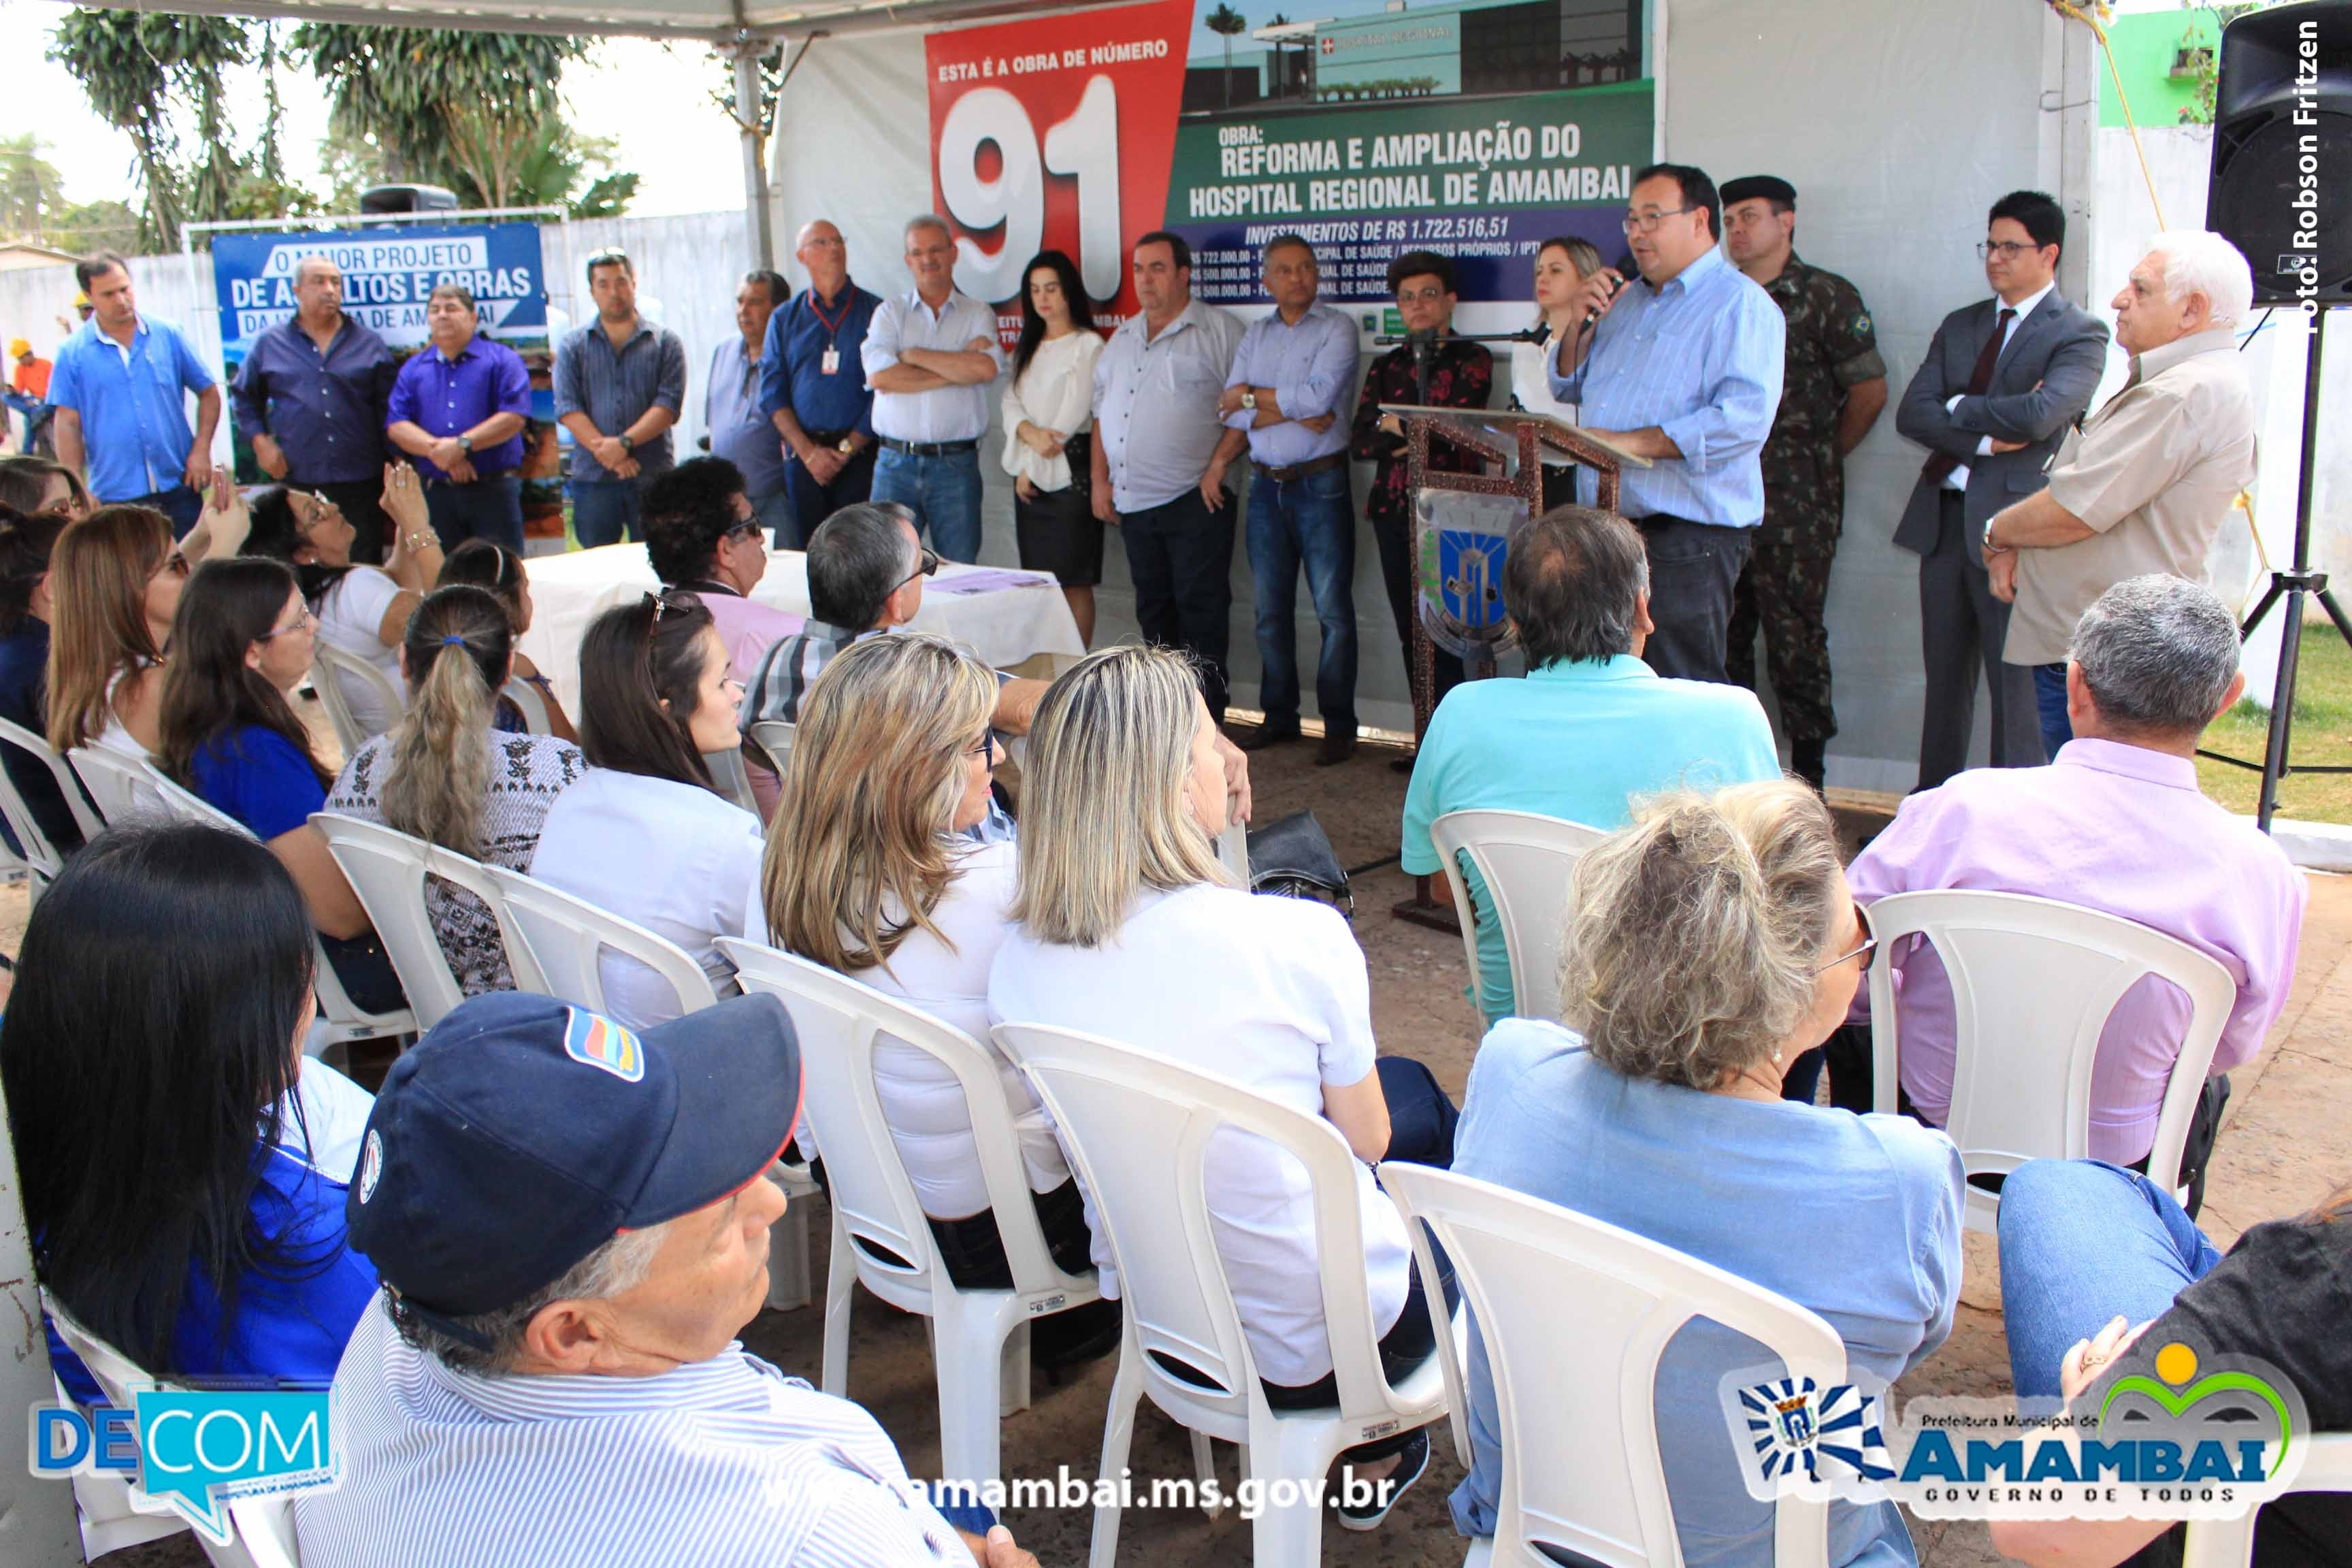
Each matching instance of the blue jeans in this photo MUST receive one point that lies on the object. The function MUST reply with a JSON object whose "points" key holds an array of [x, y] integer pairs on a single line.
{"points": [[942, 491], [2082, 1242], [1309, 521], [179, 503], [2050, 707], [491, 508], [604, 510]]}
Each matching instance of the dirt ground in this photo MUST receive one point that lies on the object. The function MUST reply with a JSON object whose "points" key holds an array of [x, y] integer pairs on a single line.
{"points": [[2286, 1143]]}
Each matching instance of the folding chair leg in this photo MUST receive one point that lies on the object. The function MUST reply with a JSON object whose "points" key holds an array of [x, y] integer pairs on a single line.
{"points": [[787, 1259], [840, 1284], [1118, 1436], [1205, 1469]]}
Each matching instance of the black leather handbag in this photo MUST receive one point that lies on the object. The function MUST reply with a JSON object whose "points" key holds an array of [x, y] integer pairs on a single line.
{"points": [[1294, 857]]}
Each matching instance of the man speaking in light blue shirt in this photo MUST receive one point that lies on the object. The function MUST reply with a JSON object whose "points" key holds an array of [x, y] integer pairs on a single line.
{"points": [[1683, 366], [1591, 729], [1289, 377]]}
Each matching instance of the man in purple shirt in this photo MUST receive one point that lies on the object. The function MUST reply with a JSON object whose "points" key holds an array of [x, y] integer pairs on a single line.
{"points": [[458, 407], [2116, 823]]}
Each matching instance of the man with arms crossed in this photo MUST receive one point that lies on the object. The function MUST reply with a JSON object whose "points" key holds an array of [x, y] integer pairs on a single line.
{"points": [[929, 355]]}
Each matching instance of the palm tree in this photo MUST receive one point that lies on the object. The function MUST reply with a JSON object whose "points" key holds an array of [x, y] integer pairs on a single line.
{"points": [[31, 192], [1226, 22]]}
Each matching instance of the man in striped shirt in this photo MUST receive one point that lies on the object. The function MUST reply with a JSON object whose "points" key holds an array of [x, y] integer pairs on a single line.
{"points": [[550, 1376], [1682, 365]]}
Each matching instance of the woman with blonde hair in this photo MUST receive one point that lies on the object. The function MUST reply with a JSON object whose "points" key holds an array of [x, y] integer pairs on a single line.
{"points": [[448, 775], [1129, 927], [868, 872], [1708, 946], [115, 579]]}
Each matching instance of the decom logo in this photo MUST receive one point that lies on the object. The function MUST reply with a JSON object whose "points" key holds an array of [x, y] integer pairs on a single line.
{"points": [[2205, 1437], [196, 1451]]}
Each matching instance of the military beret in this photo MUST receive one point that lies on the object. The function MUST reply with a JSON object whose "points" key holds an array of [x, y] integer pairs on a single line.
{"points": [[1747, 187]]}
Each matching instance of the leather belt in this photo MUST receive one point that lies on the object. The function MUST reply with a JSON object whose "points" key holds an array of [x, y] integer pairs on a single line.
{"points": [[928, 448], [1300, 470]]}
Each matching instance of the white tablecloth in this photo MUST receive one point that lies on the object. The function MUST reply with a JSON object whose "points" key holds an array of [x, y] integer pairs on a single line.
{"points": [[567, 592]]}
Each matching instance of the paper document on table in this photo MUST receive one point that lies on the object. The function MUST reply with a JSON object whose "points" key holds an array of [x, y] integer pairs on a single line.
{"points": [[988, 580]]}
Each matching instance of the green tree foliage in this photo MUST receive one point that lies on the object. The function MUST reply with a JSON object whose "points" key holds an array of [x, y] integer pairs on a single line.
{"points": [[440, 106], [32, 192], [137, 68], [95, 226]]}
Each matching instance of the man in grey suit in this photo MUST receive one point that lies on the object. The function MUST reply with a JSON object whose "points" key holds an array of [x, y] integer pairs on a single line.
{"points": [[2001, 382]]}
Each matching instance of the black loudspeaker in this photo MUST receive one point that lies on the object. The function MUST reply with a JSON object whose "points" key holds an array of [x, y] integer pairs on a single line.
{"points": [[2281, 185], [407, 199]]}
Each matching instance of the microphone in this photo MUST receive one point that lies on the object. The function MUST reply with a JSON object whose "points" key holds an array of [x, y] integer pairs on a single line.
{"points": [[1625, 270], [1423, 345]]}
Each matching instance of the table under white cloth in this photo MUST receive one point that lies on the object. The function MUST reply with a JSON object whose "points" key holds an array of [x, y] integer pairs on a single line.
{"points": [[1001, 626]]}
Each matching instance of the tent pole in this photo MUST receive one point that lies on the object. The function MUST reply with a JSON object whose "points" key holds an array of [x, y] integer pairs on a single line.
{"points": [[753, 126]]}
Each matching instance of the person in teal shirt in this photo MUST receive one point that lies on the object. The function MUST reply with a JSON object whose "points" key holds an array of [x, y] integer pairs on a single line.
{"points": [[1591, 729]]}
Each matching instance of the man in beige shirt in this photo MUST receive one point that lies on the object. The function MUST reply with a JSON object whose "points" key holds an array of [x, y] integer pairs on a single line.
{"points": [[2145, 484]]}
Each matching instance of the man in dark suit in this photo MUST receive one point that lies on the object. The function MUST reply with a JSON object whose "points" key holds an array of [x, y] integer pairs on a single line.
{"points": [[2001, 382]]}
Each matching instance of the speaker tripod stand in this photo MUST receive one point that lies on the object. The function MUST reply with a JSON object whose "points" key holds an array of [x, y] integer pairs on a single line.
{"points": [[2292, 587]]}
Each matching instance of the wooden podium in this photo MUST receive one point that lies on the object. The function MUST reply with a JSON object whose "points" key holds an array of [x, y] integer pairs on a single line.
{"points": [[1511, 448]]}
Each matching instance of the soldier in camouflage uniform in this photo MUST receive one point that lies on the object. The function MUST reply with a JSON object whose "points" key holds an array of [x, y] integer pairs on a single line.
{"points": [[1835, 388]]}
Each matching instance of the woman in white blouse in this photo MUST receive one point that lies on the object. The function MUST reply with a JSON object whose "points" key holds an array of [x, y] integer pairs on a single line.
{"points": [[1129, 927], [1561, 266], [868, 872], [1048, 422], [646, 833]]}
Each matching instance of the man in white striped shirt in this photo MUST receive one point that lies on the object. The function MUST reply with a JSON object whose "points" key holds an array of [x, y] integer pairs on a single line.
{"points": [[572, 1224]]}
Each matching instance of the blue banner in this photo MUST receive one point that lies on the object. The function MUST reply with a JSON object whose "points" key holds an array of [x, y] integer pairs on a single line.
{"points": [[388, 273]]}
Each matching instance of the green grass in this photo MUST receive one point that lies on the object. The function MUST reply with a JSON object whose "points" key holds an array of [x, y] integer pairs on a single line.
{"points": [[2322, 733]]}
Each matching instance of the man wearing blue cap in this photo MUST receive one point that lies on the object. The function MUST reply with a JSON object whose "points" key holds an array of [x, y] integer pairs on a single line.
{"points": [[571, 1227]]}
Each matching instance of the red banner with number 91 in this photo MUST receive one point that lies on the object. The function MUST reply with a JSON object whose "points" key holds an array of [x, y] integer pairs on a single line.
{"points": [[1057, 134]]}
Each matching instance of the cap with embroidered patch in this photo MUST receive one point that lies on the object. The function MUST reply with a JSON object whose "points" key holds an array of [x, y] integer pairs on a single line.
{"points": [[521, 1133]]}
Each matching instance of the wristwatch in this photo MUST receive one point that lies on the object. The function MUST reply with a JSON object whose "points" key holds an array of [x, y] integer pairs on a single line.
{"points": [[1249, 398], [848, 446], [1989, 545], [628, 443], [465, 444]]}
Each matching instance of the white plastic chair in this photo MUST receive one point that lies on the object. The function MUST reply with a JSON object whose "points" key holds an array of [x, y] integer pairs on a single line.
{"points": [[2033, 983], [43, 859], [2230, 1542], [1575, 1396], [341, 1021], [727, 771], [262, 1528], [557, 941], [330, 667], [123, 786], [1524, 859], [775, 736], [554, 945], [1138, 1128], [530, 703], [1233, 852], [979, 1338], [387, 868]]}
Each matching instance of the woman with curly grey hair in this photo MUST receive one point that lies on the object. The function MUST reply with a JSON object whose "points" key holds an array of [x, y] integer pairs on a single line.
{"points": [[1708, 946]]}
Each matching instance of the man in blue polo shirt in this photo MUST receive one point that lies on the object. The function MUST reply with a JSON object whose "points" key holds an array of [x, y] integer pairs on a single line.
{"points": [[813, 386], [119, 391], [458, 407], [1591, 729]]}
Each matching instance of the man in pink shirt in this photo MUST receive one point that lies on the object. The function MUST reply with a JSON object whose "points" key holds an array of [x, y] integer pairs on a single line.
{"points": [[2115, 823], [702, 536]]}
